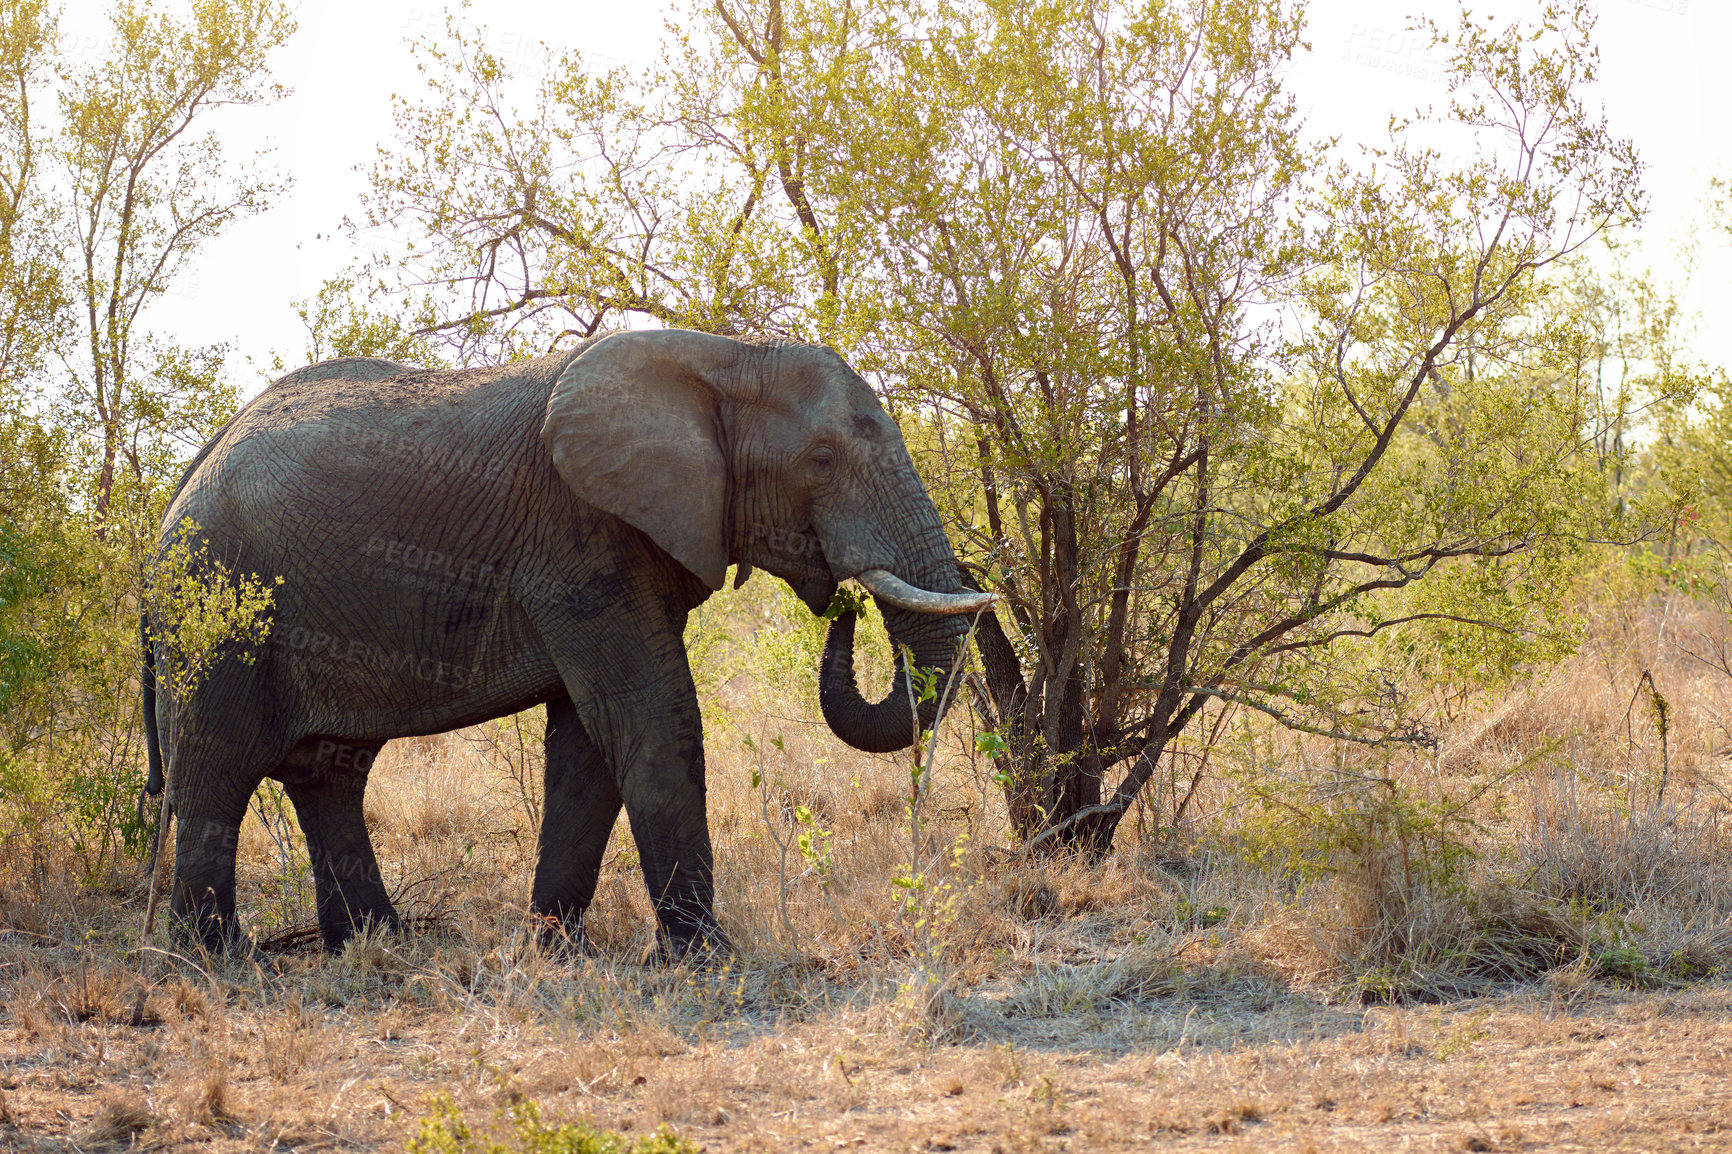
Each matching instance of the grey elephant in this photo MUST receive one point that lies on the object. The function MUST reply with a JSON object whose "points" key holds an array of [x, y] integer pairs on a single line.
{"points": [[460, 545]]}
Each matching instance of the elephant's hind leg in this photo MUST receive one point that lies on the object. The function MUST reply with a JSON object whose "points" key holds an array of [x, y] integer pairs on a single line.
{"points": [[582, 803], [208, 809], [327, 797]]}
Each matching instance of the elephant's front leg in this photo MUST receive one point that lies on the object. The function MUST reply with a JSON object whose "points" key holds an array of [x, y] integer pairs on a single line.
{"points": [[581, 805], [648, 726], [615, 631], [662, 784]]}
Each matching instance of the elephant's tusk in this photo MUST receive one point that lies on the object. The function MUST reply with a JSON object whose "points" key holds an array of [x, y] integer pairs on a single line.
{"points": [[892, 590]]}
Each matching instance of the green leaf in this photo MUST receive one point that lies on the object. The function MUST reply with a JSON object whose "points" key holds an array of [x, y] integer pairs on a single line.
{"points": [[846, 599]]}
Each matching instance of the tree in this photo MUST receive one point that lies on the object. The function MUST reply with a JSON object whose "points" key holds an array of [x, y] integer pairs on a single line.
{"points": [[678, 197], [1231, 421], [145, 191], [99, 211], [531, 227], [30, 289], [33, 515], [1075, 208], [1693, 451], [1208, 405]]}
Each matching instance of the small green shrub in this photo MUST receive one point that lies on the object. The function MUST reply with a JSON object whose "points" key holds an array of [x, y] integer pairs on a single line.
{"points": [[519, 1129], [1624, 964]]}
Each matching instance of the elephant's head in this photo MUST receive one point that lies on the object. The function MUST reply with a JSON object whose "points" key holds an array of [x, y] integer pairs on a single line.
{"points": [[775, 456]]}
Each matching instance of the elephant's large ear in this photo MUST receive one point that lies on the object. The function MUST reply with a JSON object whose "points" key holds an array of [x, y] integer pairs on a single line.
{"points": [[634, 427]]}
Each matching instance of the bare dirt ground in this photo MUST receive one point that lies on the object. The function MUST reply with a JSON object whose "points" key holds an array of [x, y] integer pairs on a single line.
{"points": [[1232, 1062]]}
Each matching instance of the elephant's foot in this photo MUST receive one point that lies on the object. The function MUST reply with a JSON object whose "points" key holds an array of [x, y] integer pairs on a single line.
{"points": [[340, 921], [203, 927], [703, 946], [563, 937], [351, 896]]}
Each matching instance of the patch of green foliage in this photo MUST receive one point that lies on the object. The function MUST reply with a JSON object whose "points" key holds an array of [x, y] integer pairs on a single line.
{"points": [[519, 1128]]}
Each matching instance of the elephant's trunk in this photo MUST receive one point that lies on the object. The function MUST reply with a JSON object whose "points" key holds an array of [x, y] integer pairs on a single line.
{"points": [[888, 725]]}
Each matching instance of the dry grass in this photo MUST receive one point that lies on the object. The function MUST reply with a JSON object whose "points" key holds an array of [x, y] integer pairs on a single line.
{"points": [[1183, 992]]}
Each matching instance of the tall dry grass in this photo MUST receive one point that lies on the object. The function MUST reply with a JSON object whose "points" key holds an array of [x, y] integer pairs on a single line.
{"points": [[1576, 826]]}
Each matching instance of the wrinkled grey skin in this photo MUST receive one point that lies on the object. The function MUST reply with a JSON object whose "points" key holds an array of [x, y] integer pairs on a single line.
{"points": [[460, 545]]}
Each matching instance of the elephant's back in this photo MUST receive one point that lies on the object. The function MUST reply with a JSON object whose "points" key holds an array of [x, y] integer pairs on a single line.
{"points": [[317, 411], [344, 369], [328, 435]]}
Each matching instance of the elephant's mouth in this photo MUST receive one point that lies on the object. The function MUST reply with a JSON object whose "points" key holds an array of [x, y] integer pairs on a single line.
{"points": [[797, 558]]}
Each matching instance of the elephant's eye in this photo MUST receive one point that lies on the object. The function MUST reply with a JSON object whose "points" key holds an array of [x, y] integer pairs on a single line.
{"points": [[824, 459]]}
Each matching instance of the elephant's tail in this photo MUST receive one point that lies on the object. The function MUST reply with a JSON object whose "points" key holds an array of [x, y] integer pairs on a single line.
{"points": [[152, 740]]}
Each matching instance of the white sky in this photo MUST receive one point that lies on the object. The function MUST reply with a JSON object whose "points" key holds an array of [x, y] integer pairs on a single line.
{"points": [[1662, 82]]}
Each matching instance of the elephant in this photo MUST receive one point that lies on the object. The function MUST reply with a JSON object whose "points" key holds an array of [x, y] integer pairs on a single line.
{"points": [[461, 544]]}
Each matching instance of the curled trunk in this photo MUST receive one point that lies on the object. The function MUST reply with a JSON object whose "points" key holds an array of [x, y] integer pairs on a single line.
{"points": [[888, 725]]}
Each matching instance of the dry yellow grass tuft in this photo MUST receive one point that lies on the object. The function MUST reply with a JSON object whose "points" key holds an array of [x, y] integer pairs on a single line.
{"points": [[203, 1096], [119, 1120]]}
